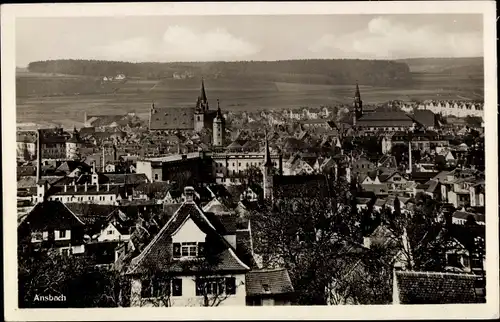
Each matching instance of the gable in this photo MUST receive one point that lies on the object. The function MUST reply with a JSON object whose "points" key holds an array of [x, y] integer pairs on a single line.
{"points": [[104, 233], [188, 232], [158, 253]]}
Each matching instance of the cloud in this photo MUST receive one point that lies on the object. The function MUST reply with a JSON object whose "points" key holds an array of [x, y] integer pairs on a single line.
{"points": [[386, 39], [180, 44]]}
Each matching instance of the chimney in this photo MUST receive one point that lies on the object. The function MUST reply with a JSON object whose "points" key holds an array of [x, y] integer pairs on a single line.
{"points": [[103, 160], [280, 163], [65, 188], [85, 186], [409, 158], [189, 193], [107, 186], [85, 119], [39, 155], [93, 166], [75, 187]]}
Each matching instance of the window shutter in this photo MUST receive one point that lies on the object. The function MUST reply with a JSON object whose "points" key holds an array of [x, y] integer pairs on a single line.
{"points": [[220, 287], [199, 287], [146, 288], [230, 285], [177, 287], [177, 250], [201, 249]]}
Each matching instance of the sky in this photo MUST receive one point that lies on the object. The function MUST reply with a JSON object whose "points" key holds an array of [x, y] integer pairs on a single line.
{"points": [[233, 38]]}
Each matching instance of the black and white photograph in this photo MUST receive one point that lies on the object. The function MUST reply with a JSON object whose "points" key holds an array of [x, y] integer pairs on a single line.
{"points": [[239, 155]]}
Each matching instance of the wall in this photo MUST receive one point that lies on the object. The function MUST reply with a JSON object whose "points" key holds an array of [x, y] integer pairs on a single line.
{"points": [[145, 168], [25, 151], [189, 297], [229, 164], [189, 232], [104, 236], [71, 150], [101, 199]]}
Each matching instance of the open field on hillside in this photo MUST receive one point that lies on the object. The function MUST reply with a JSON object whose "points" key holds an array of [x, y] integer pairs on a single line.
{"points": [[63, 100]]}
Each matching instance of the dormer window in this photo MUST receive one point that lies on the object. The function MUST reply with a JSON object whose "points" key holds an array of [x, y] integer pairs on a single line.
{"points": [[188, 250]]}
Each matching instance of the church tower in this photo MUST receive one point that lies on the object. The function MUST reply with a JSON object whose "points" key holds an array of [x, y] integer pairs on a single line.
{"points": [[218, 128], [268, 173], [73, 146], [201, 109], [357, 105]]}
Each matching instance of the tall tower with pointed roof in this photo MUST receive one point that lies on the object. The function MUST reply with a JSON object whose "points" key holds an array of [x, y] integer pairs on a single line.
{"points": [[201, 109], [267, 172], [357, 105], [218, 127]]}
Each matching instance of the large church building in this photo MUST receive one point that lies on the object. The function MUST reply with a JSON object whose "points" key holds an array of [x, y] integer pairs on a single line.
{"points": [[183, 118]]}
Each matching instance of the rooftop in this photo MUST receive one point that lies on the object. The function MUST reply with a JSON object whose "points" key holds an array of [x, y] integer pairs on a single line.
{"points": [[434, 288]]}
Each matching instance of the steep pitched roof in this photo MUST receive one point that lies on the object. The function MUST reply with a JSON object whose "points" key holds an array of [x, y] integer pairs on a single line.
{"points": [[435, 288], [91, 213], [51, 215], [268, 282], [172, 118], [158, 253], [70, 166], [30, 181], [216, 207], [424, 117]]}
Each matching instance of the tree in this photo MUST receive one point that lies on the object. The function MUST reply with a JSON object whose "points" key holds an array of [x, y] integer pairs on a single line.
{"points": [[252, 175], [158, 286], [421, 237], [46, 272], [308, 236]]}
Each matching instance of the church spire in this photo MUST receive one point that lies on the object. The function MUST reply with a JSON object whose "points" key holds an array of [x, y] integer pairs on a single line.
{"points": [[358, 105], [219, 112], [203, 94], [202, 102], [267, 157]]}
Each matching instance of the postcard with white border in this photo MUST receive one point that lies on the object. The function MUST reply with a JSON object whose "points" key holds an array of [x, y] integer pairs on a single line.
{"points": [[250, 160]]}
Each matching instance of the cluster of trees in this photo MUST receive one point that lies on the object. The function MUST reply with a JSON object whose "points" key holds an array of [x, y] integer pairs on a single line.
{"points": [[313, 71], [307, 236], [319, 241], [77, 279]]}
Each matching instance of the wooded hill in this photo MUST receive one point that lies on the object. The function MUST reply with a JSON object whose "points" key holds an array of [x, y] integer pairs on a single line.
{"points": [[324, 71]]}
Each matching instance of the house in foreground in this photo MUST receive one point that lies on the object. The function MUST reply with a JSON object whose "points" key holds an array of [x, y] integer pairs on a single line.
{"points": [[196, 260]]}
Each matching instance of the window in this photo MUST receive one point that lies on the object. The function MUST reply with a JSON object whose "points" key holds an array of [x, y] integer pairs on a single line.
{"points": [[45, 235], [65, 252], [188, 249], [156, 176], [109, 232], [62, 233], [36, 236], [466, 261], [161, 286], [453, 260], [215, 286], [177, 287]]}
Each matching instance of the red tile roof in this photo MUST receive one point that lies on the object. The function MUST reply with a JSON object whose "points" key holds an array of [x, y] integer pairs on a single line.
{"points": [[181, 118], [51, 215], [435, 288], [268, 282], [157, 254]]}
